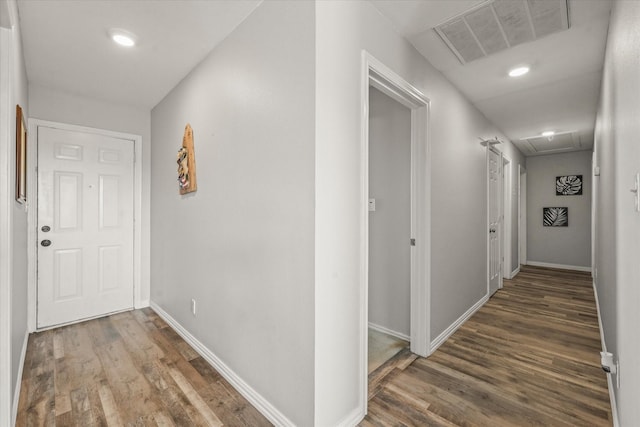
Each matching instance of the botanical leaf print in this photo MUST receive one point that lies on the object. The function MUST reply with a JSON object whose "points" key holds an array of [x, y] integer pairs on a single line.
{"points": [[555, 217], [569, 185]]}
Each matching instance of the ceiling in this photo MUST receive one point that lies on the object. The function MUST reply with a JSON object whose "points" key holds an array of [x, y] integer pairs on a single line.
{"points": [[561, 91], [66, 47]]}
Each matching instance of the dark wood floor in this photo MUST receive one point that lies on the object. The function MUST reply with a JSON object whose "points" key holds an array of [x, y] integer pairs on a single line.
{"points": [[129, 369], [530, 356]]}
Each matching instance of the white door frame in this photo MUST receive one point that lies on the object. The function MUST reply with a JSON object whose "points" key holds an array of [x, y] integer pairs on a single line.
{"points": [[376, 74], [500, 216], [32, 158], [507, 224], [522, 215]]}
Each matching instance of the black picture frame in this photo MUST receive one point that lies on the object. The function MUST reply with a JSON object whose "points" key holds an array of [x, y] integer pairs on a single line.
{"points": [[555, 217], [569, 185]]}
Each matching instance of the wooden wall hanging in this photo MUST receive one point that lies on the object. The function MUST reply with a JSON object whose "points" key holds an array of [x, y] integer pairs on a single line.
{"points": [[187, 163]]}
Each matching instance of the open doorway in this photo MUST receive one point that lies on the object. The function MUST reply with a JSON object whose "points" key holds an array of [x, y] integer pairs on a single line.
{"points": [[389, 228], [522, 211], [417, 241]]}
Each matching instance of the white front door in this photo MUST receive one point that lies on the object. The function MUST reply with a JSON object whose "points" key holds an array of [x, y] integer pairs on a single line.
{"points": [[85, 225], [494, 165]]}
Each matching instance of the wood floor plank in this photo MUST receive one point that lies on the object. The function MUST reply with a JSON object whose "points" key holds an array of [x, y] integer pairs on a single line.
{"points": [[129, 369], [529, 356]]}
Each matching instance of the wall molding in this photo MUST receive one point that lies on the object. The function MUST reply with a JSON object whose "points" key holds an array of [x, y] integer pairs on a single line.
{"points": [[559, 266], [440, 339], [612, 394], [255, 398], [16, 393], [515, 272], [388, 331]]}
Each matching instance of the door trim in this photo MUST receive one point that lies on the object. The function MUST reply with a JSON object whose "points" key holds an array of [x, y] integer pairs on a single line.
{"points": [[32, 159], [376, 74]]}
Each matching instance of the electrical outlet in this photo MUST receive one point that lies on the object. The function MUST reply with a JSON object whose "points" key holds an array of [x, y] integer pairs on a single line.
{"points": [[193, 306]]}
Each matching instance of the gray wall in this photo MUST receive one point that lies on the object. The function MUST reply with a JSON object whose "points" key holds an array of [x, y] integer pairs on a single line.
{"points": [[565, 246], [459, 192], [16, 241], [390, 224], [617, 224], [242, 244]]}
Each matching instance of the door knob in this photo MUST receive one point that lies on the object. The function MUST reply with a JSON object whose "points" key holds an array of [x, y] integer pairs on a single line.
{"points": [[45, 243], [45, 228]]}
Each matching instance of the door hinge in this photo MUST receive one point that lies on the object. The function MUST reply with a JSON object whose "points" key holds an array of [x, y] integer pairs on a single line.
{"points": [[412, 242]]}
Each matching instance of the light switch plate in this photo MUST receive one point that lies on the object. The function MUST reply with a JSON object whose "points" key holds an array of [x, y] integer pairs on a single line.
{"points": [[372, 205]]}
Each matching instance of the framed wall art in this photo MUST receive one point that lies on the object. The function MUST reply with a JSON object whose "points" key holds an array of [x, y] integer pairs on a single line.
{"points": [[21, 157], [569, 185], [555, 217]]}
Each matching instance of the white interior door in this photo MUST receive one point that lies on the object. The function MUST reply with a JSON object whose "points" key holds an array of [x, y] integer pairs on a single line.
{"points": [[85, 225], [494, 168]]}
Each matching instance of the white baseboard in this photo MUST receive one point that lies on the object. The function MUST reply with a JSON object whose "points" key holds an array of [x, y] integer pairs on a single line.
{"points": [[440, 339], [612, 395], [560, 266], [16, 392], [260, 403], [515, 272], [142, 304], [353, 419], [389, 332]]}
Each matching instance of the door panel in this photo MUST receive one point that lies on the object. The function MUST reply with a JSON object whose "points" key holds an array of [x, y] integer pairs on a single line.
{"points": [[85, 197], [495, 229]]}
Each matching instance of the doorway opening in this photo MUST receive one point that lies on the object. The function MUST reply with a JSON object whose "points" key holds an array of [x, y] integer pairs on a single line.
{"points": [[416, 246], [507, 219], [389, 228], [522, 217]]}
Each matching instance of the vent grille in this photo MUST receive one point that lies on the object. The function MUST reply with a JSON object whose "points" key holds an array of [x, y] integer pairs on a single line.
{"points": [[564, 141], [499, 24]]}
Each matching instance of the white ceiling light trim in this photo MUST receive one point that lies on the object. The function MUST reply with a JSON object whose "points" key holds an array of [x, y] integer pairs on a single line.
{"points": [[496, 25], [548, 133], [122, 37]]}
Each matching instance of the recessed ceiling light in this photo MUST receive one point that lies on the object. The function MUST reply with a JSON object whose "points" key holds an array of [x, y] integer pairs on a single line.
{"points": [[122, 37], [518, 71], [548, 133]]}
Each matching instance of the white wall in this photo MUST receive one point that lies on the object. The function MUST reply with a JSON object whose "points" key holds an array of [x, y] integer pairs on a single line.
{"points": [[14, 216], [458, 222], [563, 246], [242, 244], [390, 224], [57, 106], [617, 224]]}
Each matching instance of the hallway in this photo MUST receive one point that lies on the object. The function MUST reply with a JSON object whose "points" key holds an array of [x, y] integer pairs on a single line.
{"points": [[530, 356]]}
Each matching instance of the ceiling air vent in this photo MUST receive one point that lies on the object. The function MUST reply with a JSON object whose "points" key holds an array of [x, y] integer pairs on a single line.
{"points": [[563, 141], [499, 24]]}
